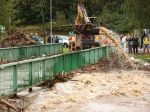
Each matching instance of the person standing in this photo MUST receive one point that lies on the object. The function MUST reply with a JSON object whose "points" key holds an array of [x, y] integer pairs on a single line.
{"points": [[49, 39], [129, 44], [135, 44], [72, 42], [146, 43], [142, 39], [56, 39], [123, 43]]}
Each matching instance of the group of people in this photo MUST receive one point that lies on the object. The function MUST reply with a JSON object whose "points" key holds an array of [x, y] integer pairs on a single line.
{"points": [[133, 43], [52, 39]]}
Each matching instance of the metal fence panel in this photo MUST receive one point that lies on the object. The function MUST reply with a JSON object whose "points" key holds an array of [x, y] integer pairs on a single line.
{"points": [[52, 49], [92, 57], [36, 72], [52, 68], [73, 66], [96, 51], [42, 50], [47, 50], [21, 53], [14, 54], [35, 51], [6, 81], [16, 76], [87, 57], [30, 52], [57, 65]]}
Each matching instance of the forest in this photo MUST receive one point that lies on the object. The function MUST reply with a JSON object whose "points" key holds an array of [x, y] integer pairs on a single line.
{"points": [[117, 15]]}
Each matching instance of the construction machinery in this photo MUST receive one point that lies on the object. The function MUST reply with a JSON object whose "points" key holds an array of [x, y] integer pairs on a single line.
{"points": [[85, 31]]}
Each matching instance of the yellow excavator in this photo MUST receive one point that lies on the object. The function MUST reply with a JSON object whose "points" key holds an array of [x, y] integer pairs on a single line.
{"points": [[85, 31]]}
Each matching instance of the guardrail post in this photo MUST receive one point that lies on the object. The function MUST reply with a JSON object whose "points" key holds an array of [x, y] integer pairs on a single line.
{"points": [[107, 52], [30, 77], [61, 47], [15, 80], [44, 70]]}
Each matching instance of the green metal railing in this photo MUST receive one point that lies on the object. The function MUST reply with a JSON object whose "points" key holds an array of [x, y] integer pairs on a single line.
{"points": [[19, 75], [21, 53]]}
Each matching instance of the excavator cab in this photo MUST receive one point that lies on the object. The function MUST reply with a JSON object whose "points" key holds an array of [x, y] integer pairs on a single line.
{"points": [[93, 19]]}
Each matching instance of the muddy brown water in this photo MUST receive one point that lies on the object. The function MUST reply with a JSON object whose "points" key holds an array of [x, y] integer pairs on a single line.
{"points": [[125, 91]]}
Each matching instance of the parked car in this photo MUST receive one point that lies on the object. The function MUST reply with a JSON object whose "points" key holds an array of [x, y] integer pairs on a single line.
{"points": [[38, 39], [61, 39]]}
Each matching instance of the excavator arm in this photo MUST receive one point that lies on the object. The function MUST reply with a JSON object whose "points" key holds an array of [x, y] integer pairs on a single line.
{"points": [[82, 17]]}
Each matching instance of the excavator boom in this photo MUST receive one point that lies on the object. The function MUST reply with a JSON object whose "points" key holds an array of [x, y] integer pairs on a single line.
{"points": [[82, 17]]}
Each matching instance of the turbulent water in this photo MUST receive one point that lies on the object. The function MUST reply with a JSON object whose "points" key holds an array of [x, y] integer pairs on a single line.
{"points": [[123, 91]]}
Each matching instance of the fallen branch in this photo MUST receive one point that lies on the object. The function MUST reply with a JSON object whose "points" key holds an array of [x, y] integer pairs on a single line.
{"points": [[9, 105]]}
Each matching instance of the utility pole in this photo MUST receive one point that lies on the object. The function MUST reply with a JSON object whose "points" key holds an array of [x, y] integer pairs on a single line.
{"points": [[51, 30], [43, 20]]}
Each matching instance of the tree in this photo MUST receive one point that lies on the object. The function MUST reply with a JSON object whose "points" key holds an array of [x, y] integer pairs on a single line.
{"points": [[109, 12], [28, 11], [113, 16], [4, 15], [139, 12]]}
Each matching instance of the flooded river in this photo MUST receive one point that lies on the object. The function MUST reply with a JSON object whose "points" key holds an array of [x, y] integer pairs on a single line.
{"points": [[115, 91]]}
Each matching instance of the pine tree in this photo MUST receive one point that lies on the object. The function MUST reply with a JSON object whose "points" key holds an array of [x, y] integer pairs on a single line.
{"points": [[4, 15], [139, 12]]}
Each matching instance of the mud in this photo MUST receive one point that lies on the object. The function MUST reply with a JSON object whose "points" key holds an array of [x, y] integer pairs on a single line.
{"points": [[17, 40]]}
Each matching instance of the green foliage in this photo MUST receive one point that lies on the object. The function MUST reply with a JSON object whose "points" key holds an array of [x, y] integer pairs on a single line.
{"points": [[58, 22], [8, 13], [4, 15], [114, 17], [66, 50], [145, 57], [29, 11], [81, 1], [139, 12], [118, 15]]}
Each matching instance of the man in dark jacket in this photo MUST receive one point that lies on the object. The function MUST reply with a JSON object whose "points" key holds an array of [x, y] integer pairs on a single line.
{"points": [[129, 44], [135, 45], [142, 39], [56, 39], [49, 39]]}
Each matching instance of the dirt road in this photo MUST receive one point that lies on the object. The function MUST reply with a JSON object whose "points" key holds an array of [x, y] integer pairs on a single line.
{"points": [[115, 91]]}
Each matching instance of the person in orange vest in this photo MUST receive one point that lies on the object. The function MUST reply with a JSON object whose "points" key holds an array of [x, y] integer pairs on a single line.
{"points": [[72, 40], [146, 43]]}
